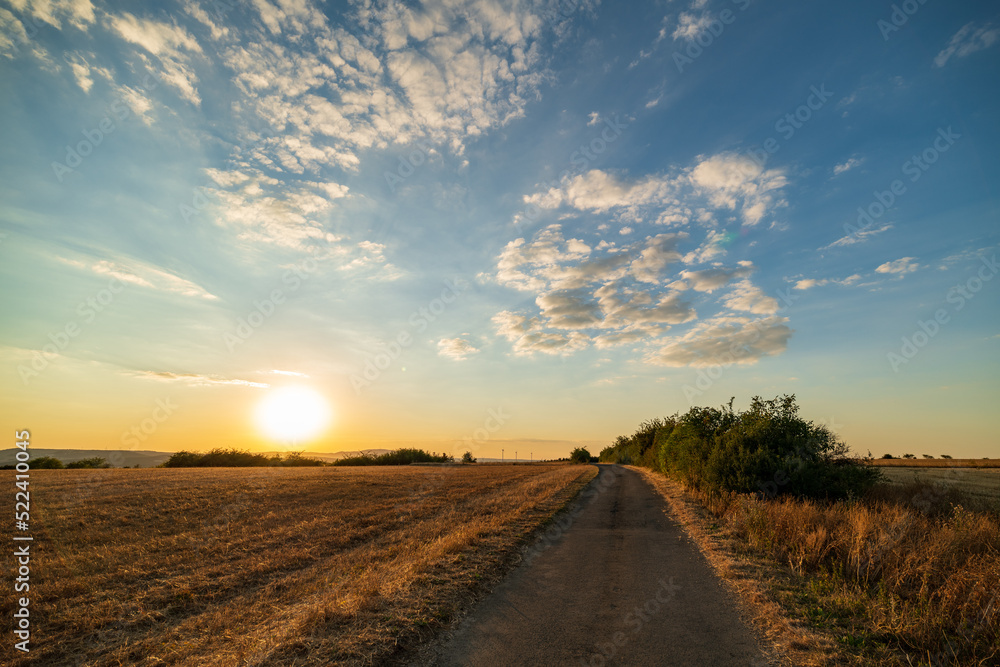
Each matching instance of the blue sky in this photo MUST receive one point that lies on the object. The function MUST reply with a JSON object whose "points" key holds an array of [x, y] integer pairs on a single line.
{"points": [[579, 214]]}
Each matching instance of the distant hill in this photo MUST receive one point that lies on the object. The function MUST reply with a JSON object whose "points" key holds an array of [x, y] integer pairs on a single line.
{"points": [[148, 459]]}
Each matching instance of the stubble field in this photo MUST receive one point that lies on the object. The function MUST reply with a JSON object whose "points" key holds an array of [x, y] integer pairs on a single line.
{"points": [[269, 566]]}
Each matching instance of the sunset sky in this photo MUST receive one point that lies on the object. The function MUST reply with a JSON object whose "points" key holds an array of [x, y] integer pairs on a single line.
{"points": [[528, 224]]}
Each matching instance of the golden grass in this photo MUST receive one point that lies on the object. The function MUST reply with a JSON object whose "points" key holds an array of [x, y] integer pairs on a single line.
{"points": [[936, 463], [891, 580], [269, 566]]}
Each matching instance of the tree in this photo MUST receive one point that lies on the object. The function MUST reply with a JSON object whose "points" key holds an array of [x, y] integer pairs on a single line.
{"points": [[946, 456], [95, 462], [927, 456], [47, 462], [909, 456], [579, 455], [468, 458], [887, 456]]}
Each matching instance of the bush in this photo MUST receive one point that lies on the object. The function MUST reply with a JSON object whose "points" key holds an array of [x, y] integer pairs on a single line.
{"points": [[236, 458], [399, 457], [767, 449], [468, 458], [95, 462], [579, 455], [47, 463]]}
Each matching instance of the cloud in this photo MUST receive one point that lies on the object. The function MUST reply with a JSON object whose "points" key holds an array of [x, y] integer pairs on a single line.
{"points": [[748, 297], [78, 13], [900, 266], [690, 27], [727, 182], [604, 296], [968, 40], [134, 272], [456, 348], [809, 283], [725, 340], [846, 166], [170, 44], [709, 280], [858, 236], [194, 379]]}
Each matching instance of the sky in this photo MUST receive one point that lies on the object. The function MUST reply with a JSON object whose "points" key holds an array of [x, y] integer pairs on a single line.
{"points": [[489, 225]]}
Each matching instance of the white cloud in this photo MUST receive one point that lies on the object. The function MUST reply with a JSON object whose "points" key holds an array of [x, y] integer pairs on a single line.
{"points": [[725, 340], [859, 236], [846, 166], [194, 379], [709, 280], [593, 118], [748, 297], [456, 348], [689, 26], [968, 40], [138, 273], [170, 44], [900, 266], [727, 181], [78, 13]]}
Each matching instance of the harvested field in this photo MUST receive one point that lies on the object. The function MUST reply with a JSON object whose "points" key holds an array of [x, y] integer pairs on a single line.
{"points": [[269, 566], [980, 485], [936, 463]]}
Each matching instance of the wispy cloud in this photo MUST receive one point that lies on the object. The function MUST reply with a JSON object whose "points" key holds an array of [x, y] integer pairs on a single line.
{"points": [[899, 267], [968, 40], [859, 236], [194, 379]]}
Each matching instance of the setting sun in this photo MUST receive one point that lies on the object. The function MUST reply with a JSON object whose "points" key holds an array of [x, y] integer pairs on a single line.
{"points": [[292, 414]]}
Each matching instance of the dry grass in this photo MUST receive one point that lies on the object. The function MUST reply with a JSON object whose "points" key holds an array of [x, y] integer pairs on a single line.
{"points": [[269, 566], [904, 577]]}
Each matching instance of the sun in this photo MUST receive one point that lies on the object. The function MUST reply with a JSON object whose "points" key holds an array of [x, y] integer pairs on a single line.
{"points": [[293, 414]]}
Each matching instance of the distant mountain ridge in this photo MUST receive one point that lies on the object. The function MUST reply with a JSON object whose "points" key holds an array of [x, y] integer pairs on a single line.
{"points": [[120, 458]]}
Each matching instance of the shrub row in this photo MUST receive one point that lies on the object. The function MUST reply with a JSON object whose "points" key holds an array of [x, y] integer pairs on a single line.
{"points": [[767, 449], [399, 457]]}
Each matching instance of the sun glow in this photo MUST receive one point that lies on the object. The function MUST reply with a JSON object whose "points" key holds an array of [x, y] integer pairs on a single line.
{"points": [[293, 414]]}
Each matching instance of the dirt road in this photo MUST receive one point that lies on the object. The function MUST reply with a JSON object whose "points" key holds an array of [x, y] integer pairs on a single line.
{"points": [[619, 584]]}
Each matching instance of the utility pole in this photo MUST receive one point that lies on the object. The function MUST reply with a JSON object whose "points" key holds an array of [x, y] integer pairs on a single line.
{"points": [[501, 455], [515, 456]]}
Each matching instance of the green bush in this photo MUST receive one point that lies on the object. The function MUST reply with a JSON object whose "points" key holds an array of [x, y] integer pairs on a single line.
{"points": [[94, 462], [47, 463], [767, 449], [236, 458], [399, 457], [579, 455], [468, 458]]}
